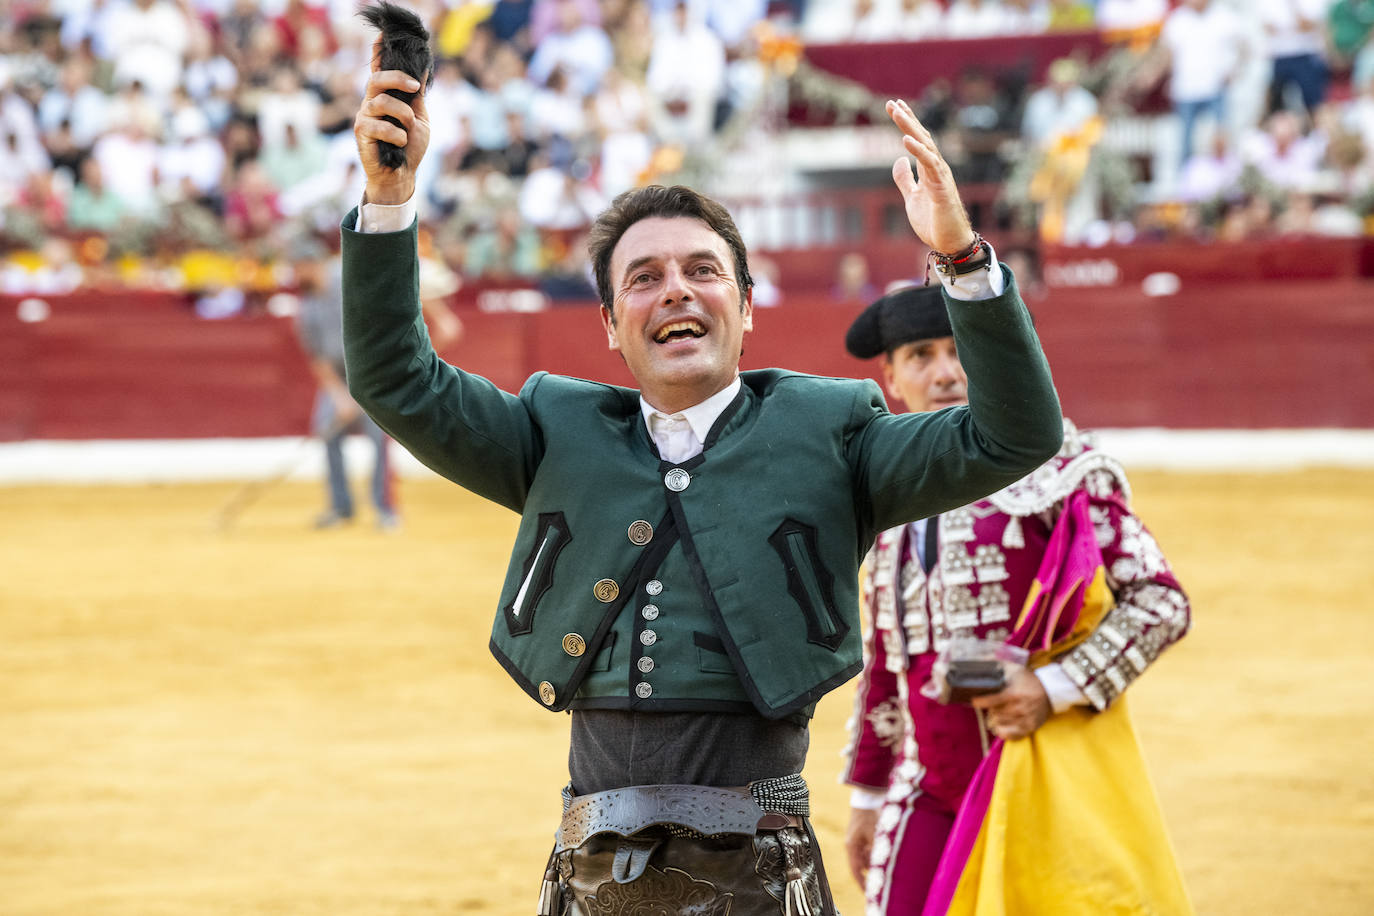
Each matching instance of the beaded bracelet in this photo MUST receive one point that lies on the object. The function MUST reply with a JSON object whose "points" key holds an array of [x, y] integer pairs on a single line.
{"points": [[948, 264]]}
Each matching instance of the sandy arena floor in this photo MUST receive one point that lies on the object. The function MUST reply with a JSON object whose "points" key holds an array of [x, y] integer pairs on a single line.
{"points": [[280, 721]]}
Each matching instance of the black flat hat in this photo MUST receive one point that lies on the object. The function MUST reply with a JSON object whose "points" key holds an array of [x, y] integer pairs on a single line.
{"points": [[904, 315]]}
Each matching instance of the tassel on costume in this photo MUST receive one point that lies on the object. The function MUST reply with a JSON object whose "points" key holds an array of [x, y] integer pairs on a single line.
{"points": [[797, 902], [548, 893], [1012, 537]]}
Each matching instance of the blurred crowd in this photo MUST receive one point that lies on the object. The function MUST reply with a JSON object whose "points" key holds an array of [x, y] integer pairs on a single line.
{"points": [[1201, 119], [186, 144]]}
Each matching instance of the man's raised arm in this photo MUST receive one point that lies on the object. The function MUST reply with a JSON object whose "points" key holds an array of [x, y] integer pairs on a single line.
{"points": [[458, 424], [1013, 422]]}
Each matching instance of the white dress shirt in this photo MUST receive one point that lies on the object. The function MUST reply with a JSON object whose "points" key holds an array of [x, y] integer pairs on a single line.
{"points": [[682, 435]]}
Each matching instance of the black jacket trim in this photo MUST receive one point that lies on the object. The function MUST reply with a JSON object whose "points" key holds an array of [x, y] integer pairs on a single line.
{"points": [[810, 583], [708, 642], [554, 534]]}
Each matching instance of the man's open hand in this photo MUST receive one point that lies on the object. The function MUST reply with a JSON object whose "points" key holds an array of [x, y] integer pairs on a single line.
{"points": [[932, 201]]}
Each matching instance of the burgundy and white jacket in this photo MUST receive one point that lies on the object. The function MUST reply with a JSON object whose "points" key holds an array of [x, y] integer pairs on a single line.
{"points": [[902, 742]]}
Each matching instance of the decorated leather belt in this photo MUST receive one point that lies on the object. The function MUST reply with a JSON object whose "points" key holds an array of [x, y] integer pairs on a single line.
{"points": [[704, 809]]}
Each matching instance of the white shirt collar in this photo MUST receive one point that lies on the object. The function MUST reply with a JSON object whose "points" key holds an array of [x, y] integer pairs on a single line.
{"points": [[700, 417]]}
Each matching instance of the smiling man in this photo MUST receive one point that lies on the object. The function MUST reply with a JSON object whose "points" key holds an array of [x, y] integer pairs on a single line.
{"points": [[684, 578]]}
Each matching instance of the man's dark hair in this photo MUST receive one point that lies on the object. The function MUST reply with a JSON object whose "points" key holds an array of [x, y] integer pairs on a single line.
{"points": [[643, 203]]}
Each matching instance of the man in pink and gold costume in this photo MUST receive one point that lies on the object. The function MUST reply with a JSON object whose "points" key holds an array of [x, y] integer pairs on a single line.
{"points": [[961, 807]]}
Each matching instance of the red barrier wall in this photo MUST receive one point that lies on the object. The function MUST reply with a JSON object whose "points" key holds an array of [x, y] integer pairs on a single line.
{"points": [[905, 69], [1246, 354]]}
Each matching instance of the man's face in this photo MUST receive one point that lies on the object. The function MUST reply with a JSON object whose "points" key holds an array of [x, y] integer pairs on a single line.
{"points": [[926, 375], [679, 317]]}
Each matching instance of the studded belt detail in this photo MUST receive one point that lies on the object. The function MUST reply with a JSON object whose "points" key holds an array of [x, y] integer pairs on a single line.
{"points": [[626, 811]]}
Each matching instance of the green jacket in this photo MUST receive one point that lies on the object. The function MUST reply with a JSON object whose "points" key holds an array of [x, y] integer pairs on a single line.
{"points": [[748, 554]]}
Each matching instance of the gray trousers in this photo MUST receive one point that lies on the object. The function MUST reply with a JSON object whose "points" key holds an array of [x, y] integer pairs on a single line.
{"points": [[340, 494]]}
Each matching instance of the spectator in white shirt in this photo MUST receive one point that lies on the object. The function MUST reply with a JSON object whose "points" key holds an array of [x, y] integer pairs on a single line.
{"points": [[582, 50], [191, 163], [147, 39], [1295, 33], [288, 103], [1058, 108], [874, 20], [75, 100], [975, 19], [1283, 154], [1025, 17], [1211, 173], [1121, 16], [128, 159], [557, 196], [918, 20], [21, 152], [1205, 48], [686, 78]]}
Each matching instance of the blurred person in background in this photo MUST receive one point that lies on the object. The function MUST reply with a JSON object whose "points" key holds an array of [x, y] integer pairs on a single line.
{"points": [[210, 78], [76, 101], [191, 161], [252, 205], [853, 281], [546, 18], [294, 159], [1283, 154], [1213, 172], [1070, 16], [1295, 43], [985, 120], [319, 326], [913, 754], [1204, 49], [975, 19], [686, 77], [1059, 108], [146, 40], [93, 207], [128, 154], [1129, 69], [580, 49], [22, 153], [626, 155], [287, 102], [633, 40], [919, 20], [503, 250], [668, 724], [872, 20], [1025, 17], [1358, 116], [557, 111], [1350, 23]]}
